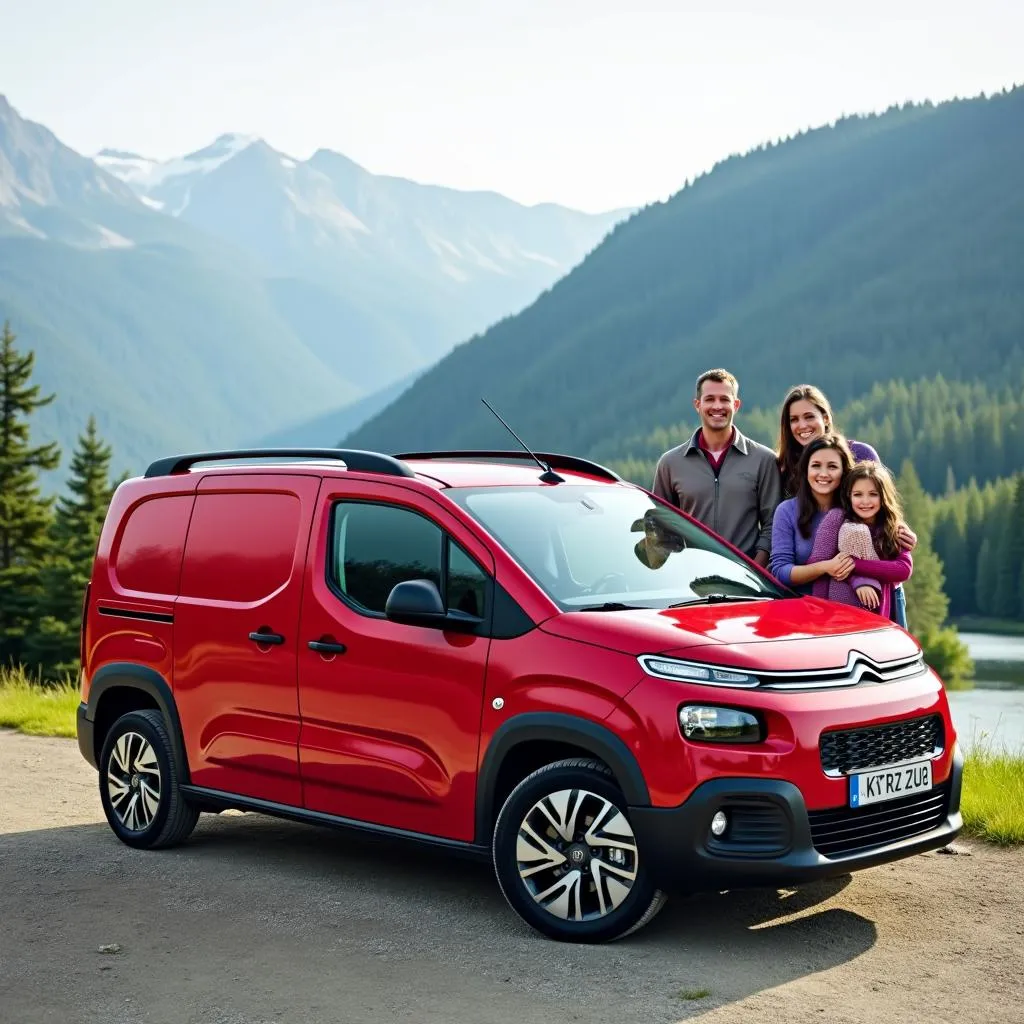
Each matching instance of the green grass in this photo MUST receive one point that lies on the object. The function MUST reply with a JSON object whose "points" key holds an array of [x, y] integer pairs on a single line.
{"points": [[693, 993], [993, 796], [34, 709]]}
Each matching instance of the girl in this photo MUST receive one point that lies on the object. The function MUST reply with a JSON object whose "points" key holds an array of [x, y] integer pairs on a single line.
{"points": [[823, 467], [867, 529]]}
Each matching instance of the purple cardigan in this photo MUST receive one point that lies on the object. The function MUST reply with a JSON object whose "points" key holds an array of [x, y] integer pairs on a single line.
{"points": [[789, 546], [881, 574]]}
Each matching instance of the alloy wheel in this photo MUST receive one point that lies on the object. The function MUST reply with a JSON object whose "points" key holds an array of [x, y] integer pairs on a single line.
{"points": [[576, 855], [133, 781]]}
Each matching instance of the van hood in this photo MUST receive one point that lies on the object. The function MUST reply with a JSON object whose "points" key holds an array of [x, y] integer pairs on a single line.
{"points": [[788, 633]]}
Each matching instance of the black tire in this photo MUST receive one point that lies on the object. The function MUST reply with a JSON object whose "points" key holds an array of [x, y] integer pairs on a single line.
{"points": [[591, 913], [145, 766]]}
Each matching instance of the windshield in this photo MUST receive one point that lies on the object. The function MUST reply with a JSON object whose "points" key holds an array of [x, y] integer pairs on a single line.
{"points": [[594, 547]]}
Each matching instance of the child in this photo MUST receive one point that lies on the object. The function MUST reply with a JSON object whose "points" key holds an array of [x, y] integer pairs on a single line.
{"points": [[866, 528]]}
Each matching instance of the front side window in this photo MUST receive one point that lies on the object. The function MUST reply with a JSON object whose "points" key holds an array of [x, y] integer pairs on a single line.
{"points": [[375, 546], [593, 547]]}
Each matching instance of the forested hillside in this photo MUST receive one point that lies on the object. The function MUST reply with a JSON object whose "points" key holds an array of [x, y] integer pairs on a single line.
{"points": [[882, 248], [951, 431]]}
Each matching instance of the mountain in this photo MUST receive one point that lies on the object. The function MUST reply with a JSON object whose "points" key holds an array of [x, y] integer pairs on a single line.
{"points": [[880, 247], [416, 267], [169, 336], [215, 299], [325, 431]]}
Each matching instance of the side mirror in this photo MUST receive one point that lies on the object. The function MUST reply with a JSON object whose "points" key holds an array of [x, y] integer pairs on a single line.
{"points": [[416, 603]]}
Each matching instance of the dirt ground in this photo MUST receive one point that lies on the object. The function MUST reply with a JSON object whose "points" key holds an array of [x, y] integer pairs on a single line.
{"points": [[256, 921]]}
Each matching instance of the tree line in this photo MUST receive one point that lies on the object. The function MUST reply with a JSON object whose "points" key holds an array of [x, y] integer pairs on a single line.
{"points": [[46, 543], [952, 431], [979, 534]]}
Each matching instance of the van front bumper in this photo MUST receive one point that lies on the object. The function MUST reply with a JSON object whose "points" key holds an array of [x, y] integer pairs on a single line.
{"points": [[773, 840]]}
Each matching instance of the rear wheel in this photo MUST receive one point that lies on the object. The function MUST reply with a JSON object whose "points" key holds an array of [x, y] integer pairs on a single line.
{"points": [[566, 856], [139, 783]]}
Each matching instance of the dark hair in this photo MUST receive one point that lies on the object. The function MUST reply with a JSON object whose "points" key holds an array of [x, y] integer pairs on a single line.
{"points": [[886, 531], [722, 376], [788, 450], [807, 505]]}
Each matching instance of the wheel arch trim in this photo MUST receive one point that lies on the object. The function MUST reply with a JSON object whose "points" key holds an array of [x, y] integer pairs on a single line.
{"points": [[126, 675], [556, 727]]}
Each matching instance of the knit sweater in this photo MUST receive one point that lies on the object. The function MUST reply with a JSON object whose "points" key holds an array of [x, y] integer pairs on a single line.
{"points": [[835, 535]]}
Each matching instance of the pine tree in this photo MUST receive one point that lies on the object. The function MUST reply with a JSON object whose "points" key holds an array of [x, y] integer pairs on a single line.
{"points": [[927, 603], [985, 580], [24, 514], [53, 646]]}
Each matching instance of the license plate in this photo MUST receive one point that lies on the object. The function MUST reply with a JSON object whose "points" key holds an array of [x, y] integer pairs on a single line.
{"points": [[890, 783]]}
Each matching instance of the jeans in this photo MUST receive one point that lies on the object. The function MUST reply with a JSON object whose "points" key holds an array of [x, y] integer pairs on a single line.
{"points": [[899, 606]]}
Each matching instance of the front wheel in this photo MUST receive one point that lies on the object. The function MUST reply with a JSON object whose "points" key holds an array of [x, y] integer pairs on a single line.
{"points": [[139, 783], [566, 856]]}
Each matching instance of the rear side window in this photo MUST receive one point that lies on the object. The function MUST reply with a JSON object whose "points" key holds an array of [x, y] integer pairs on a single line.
{"points": [[241, 545], [374, 547], [147, 554]]}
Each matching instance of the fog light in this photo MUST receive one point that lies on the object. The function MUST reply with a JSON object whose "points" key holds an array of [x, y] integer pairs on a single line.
{"points": [[719, 823], [724, 725]]}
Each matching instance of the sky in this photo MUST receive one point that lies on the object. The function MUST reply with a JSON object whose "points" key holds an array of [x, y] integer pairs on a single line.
{"points": [[594, 104]]}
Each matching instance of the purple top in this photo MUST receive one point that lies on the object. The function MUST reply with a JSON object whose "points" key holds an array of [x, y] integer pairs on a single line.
{"points": [[863, 452], [789, 546]]}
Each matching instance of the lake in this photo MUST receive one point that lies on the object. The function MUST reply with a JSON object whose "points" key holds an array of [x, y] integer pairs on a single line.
{"points": [[993, 711]]}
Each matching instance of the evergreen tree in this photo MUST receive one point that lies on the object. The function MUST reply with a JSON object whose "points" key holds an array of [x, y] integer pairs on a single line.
{"points": [[985, 580], [24, 514], [54, 643], [927, 603], [1006, 599], [951, 546]]}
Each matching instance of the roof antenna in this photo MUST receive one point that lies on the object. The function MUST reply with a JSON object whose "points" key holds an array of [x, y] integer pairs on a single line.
{"points": [[549, 476]]}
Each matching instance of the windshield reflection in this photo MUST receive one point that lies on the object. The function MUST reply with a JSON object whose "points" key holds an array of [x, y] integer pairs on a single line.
{"points": [[581, 545]]}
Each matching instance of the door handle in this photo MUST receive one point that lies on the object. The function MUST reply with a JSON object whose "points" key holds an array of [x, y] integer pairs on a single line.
{"points": [[326, 646], [261, 637]]}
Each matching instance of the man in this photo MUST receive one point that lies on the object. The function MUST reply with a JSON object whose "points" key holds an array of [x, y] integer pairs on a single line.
{"points": [[720, 477]]}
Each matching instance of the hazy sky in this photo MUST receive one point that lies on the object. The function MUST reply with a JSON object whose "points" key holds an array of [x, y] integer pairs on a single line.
{"points": [[574, 101]]}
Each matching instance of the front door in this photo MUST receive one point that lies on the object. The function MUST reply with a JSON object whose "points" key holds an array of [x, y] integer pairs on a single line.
{"points": [[390, 712]]}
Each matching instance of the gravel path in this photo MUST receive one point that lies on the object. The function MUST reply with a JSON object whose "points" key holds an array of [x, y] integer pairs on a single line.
{"points": [[256, 921]]}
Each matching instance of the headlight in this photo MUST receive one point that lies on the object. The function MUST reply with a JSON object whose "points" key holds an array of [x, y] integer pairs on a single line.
{"points": [[694, 672], [709, 724]]}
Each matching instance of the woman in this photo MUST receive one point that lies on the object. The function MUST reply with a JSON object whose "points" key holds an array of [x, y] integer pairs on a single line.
{"points": [[807, 415], [820, 473]]}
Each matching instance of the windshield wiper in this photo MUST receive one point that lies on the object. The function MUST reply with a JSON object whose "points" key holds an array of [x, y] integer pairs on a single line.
{"points": [[609, 606], [723, 598]]}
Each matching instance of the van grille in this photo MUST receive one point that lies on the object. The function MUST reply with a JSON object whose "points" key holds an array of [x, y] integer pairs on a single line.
{"points": [[844, 831], [853, 750]]}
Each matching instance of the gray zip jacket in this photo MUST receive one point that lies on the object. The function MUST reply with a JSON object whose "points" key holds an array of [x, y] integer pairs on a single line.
{"points": [[738, 504]]}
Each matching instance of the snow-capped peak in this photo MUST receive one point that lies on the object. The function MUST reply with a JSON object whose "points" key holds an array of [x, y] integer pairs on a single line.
{"points": [[144, 174]]}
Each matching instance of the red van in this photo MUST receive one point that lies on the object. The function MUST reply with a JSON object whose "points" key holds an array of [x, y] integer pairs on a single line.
{"points": [[544, 666]]}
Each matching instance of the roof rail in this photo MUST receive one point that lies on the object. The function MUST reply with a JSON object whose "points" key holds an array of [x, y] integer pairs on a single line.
{"points": [[358, 461], [554, 460]]}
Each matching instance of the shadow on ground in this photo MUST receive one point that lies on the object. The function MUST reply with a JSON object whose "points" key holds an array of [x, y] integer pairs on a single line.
{"points": [[257, 920]]}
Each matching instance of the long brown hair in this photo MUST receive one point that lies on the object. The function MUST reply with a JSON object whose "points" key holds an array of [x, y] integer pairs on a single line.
{"points": [[807, 504], [886, 531], [788, 450]]}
